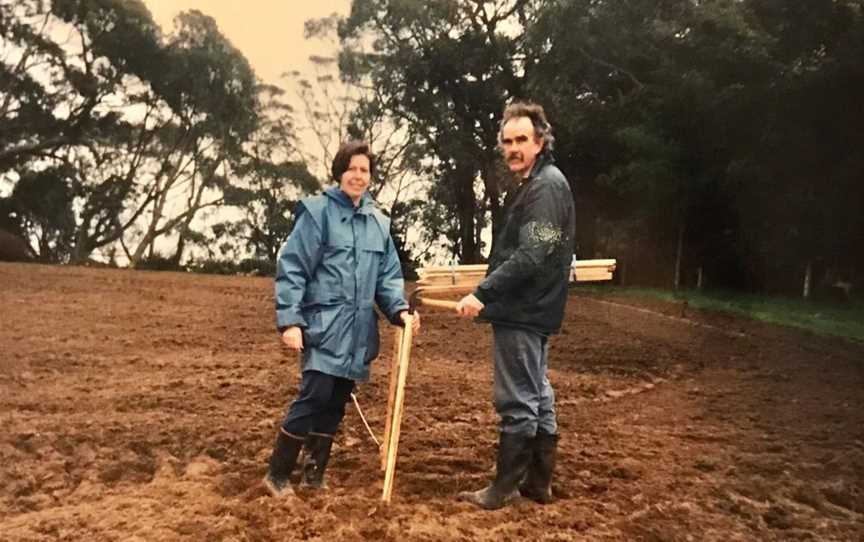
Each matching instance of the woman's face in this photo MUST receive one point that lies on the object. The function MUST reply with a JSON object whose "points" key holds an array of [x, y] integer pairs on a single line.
{"points": [[356, 178]]}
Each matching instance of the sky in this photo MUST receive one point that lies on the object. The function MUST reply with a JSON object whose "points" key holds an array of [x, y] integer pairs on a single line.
{"points": [[268, 32]]}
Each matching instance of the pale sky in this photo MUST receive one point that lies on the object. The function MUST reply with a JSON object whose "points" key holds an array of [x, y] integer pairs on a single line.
{"points": [[268, 32]]}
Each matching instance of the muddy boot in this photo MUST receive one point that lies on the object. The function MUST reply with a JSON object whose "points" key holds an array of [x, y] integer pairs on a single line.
{"points": [[282, 462], [537, 485], [317, 454], [514, 454]]}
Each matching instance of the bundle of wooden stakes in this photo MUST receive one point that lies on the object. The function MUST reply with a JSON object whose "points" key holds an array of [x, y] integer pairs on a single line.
{"points": [[438, 281]]}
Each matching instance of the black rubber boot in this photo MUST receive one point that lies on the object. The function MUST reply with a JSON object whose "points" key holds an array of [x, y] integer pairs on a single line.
{"points": [[317, 453], [514, 455], [282, 463], [537, 485]]}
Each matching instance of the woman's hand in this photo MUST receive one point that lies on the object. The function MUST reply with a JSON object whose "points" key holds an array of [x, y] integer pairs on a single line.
{"points": [[293, 338], [415, 324]]}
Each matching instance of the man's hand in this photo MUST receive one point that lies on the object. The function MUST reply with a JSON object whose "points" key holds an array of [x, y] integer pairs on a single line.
{"points": [[415, 325], [469, 306], [293, 338]]}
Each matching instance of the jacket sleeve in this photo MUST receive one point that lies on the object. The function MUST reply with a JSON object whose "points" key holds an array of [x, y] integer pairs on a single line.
{"points": [[296, 265], [390, 288], [541, 233]]}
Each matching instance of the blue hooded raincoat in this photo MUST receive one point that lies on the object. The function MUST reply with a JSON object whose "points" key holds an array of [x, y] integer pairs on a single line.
{"points": [[338, 262]]}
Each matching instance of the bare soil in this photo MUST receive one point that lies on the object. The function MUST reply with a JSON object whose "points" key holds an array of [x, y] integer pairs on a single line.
{"points": [[143, 406]]}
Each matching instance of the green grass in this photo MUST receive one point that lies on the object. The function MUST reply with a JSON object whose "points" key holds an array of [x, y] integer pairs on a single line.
{"points": [[822, 318]]}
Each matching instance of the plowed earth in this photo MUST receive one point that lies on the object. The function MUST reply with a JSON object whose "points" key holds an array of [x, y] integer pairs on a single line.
{"points": [[142, 406]]}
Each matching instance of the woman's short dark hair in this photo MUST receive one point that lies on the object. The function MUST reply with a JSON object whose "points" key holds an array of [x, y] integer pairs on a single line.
{"points": [[343, 158]]}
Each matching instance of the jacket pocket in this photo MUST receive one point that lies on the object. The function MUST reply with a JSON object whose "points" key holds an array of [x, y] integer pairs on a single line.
{"points": [[373, 339], [321, 329], [372, 246]]}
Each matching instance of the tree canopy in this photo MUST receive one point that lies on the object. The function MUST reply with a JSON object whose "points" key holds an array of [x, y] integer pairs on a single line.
{"points": [[712, 139], [712, 136]]}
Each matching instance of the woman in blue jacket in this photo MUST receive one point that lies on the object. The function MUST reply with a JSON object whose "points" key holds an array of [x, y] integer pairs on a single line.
{"points": [[338, 262]]}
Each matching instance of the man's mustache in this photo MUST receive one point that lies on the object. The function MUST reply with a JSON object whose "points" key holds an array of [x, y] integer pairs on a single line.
{"points": [[514, 156]]}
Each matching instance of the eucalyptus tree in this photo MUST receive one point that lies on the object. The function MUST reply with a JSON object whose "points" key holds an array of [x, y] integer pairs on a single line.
{"points": [[270, 176], [206, 105], [62, 68], [140, 121], [444, 69], [335, 106]]}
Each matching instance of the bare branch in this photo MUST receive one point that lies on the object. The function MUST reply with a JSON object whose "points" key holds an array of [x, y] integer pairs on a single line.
{"points": [[636, 82]]}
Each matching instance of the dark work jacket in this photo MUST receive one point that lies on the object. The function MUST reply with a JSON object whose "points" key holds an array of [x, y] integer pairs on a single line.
{"points": [[526, 282]]}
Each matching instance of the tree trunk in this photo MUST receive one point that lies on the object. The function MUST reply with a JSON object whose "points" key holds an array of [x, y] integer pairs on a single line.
{"points": [[141, 250], [178, 252], [494, 183], [81, 250], [699, 278], [147, 243], [678, 256], [466, 206], [181, 239], [808, 279]]}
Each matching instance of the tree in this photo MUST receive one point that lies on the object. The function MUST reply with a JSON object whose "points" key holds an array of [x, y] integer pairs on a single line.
{"points": [[444, 69], [142, 124], [51, 92], [210, 92], [641, 93], [57, 97], [803, 190], [335, 108], [270, 181], [42, 206]]}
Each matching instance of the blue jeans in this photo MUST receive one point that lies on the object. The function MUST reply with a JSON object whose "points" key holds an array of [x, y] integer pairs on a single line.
{"points": [[320, 404], [523, 397]]}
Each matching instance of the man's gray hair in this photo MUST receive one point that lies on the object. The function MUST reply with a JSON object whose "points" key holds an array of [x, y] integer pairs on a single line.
{"points": [[542, 129]]}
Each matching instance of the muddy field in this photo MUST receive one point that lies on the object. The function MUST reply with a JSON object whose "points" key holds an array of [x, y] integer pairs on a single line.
{"points": [[142, 406]]}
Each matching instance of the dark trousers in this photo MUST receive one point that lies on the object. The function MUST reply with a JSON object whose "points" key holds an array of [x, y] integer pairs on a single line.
{"points": [[320, 404], [523, 396]]}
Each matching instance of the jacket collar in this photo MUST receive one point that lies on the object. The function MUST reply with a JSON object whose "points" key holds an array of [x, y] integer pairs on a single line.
{"points": [[544, 159], [366, 206]]}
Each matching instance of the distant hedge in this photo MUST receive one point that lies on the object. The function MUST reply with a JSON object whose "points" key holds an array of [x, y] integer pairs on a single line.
{"points": [[248, 266]]}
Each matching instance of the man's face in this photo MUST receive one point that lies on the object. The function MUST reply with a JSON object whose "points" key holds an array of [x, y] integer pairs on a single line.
{"points": [[519, 145], [356, 178]]}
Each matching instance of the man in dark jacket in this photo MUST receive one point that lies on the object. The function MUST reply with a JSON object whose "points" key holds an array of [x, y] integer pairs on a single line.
{"points": [[523, 297]]}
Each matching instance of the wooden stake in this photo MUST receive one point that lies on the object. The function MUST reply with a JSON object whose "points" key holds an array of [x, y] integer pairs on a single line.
{"points": [[440, 303], [455, 268], [446, 289], [398, 404], [391, 396]]}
